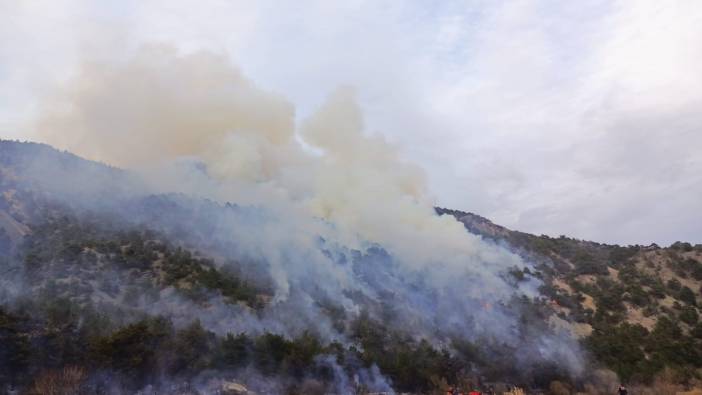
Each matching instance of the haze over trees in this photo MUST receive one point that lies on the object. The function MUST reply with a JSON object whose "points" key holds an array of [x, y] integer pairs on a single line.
{"points": [[111, 288]]}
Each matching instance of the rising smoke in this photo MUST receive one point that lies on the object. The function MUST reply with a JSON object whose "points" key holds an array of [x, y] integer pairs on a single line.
{"points": [[324, 191]]}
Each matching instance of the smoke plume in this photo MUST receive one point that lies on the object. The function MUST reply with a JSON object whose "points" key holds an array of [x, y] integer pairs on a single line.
{"points": [[325, 190]]}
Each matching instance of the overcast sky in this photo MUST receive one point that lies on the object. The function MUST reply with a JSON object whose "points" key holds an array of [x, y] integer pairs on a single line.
{"points": [[581, 118]]}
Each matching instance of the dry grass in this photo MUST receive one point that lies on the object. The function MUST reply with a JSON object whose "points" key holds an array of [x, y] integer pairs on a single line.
{"points": [[66, 381], [558, 388], [665, 383]]}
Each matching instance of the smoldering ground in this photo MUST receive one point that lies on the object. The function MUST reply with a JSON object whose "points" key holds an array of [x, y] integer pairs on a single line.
{"points": [[332, 213]]}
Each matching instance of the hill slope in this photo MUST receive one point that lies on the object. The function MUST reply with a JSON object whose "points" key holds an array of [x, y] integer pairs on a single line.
{"points": [[132, 287], [636, 307]]}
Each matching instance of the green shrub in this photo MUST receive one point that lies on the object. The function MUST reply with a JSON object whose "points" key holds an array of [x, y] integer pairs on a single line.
{"points": [[235, 351], [133, 349], [687, 296], [193, 350], [689, 315]]}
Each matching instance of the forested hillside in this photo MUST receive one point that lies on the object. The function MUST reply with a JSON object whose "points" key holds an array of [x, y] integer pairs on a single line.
{"points": [[636, 308], [107, 290]]}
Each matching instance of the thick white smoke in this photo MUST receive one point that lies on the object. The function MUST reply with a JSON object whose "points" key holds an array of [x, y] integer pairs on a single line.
{"points": [[159, 106], [159, 112]]}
